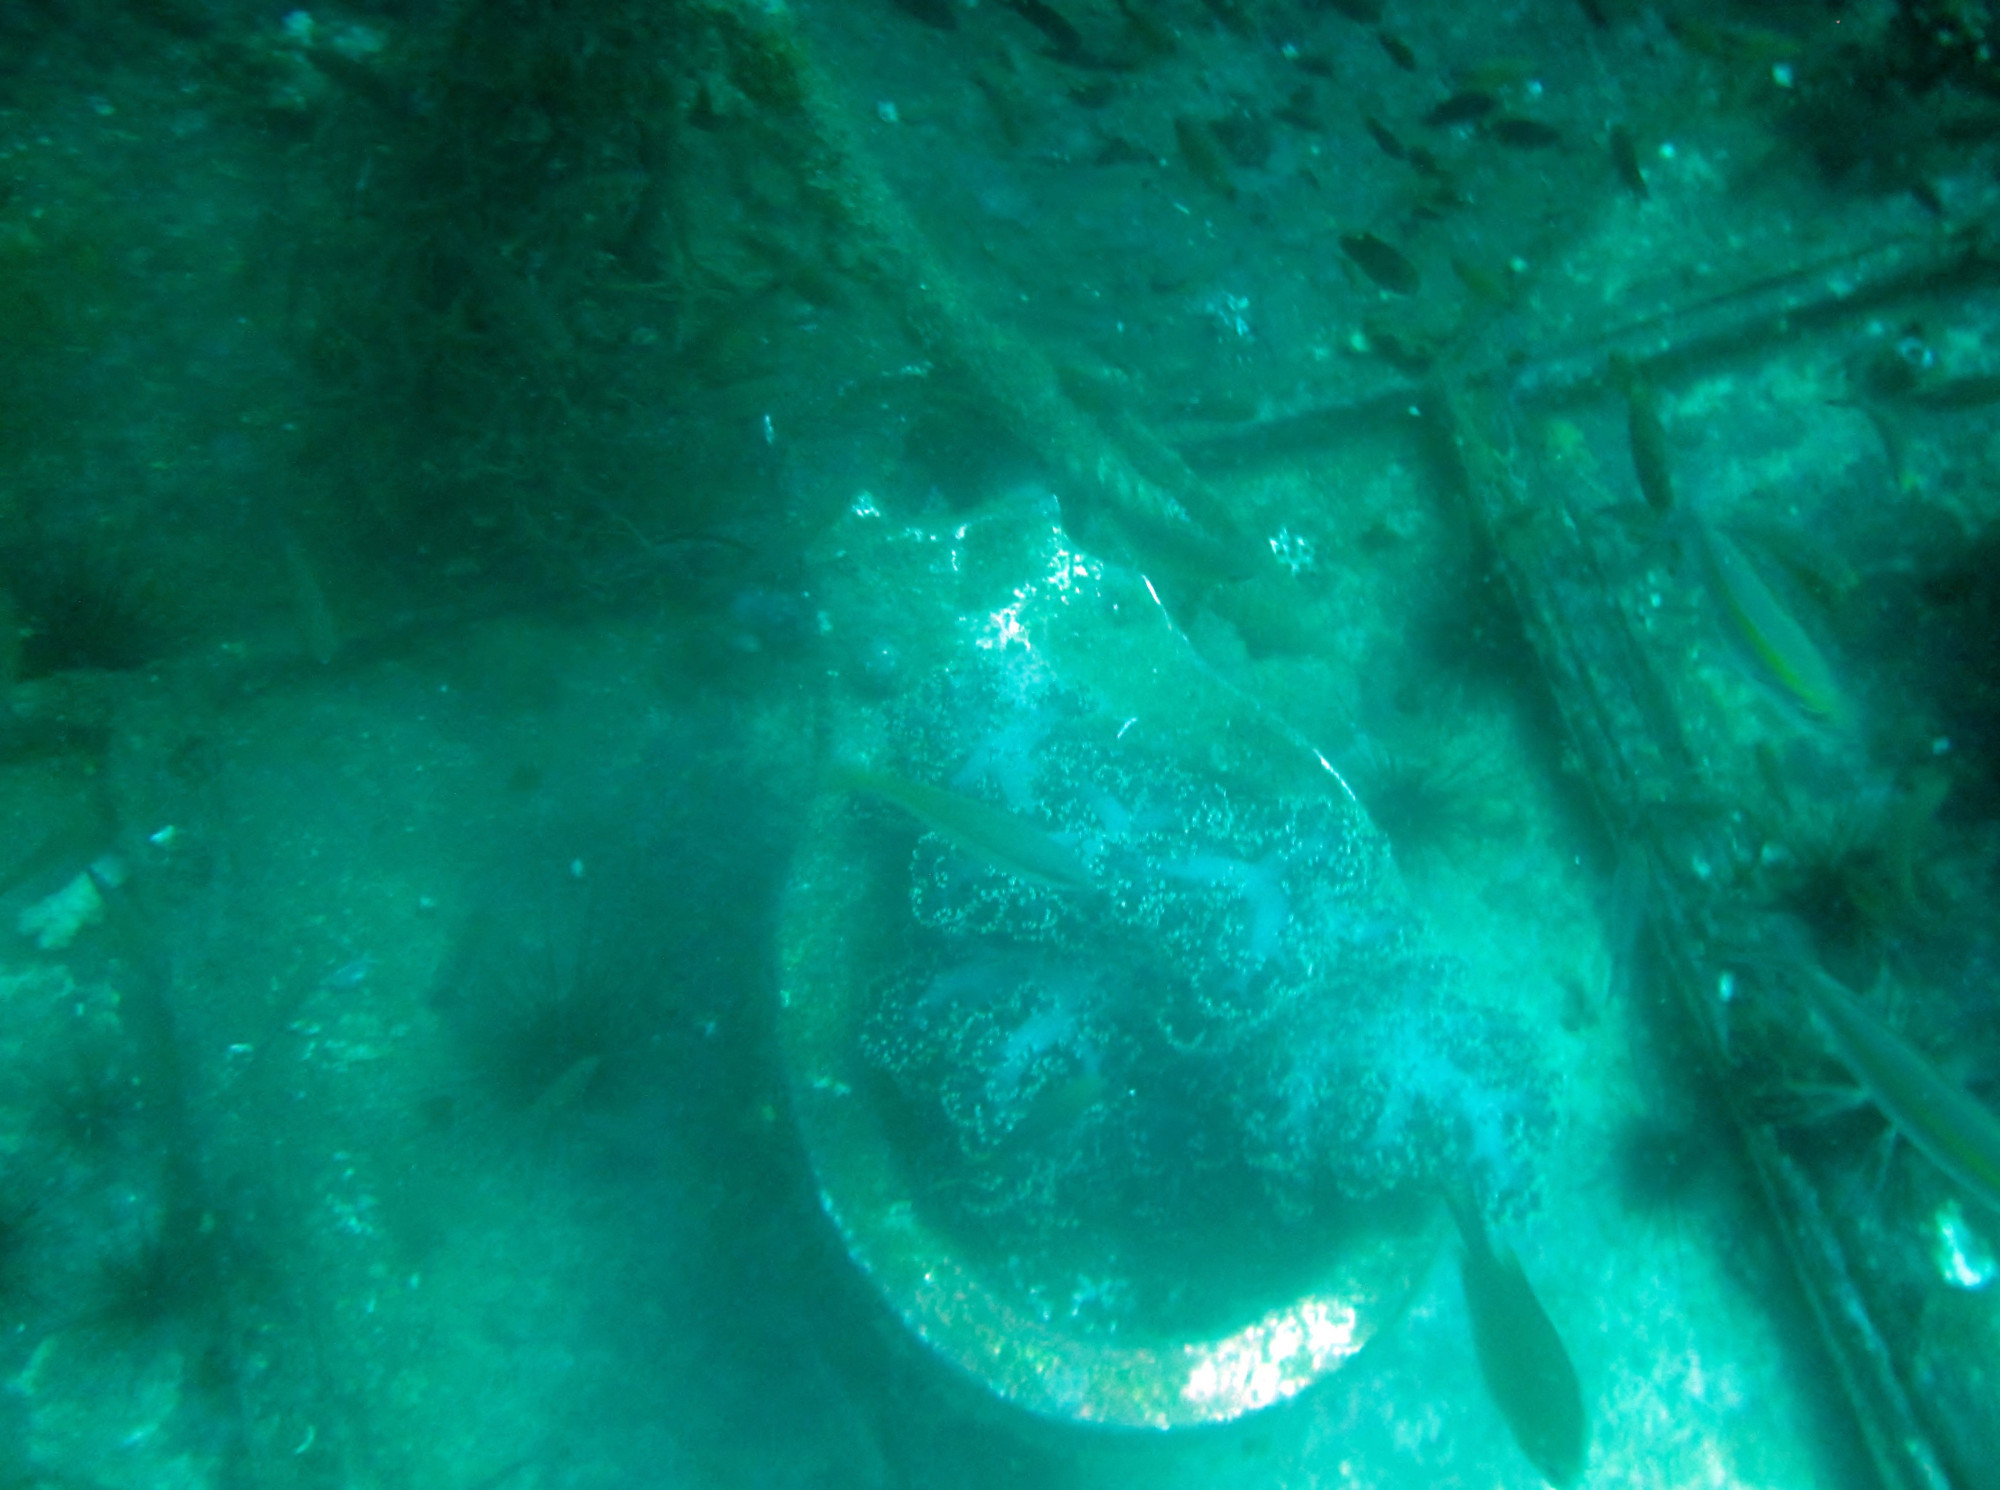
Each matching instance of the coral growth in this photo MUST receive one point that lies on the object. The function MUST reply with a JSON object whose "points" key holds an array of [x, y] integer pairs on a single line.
{"points": [[1237, 1020]]}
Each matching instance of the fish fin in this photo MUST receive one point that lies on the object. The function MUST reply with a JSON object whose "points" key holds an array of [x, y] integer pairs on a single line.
{"points": [[1463, 1204]]}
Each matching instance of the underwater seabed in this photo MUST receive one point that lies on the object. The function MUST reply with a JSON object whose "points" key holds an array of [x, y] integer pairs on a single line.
{"points": [[407, 1105], [1521, 564], [492, 1174], [397, 1116], [1650, 1261]]}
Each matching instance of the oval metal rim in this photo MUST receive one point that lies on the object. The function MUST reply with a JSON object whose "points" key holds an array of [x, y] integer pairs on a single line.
{"points": [[1018, 1353]]}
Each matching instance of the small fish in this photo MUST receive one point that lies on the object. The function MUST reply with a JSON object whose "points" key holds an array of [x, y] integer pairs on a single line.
{"points": [[350, 974], [1302, 111], [1000, 839], [1625, 161], [1428, 164], [1462, 108], [1495, 75], [1203, 154], [1968, 391], [1783, 651], [1012, 114], [1523, 134], [1398, 50], [1384, 140], [1755, 46], [1482, 282], [1404, 348], [317, 628], [942, 14], [1232, 17], [1154, 37], [1065, 41], [1943, 1121], [1384, 264], [1527, 1370], [1122, 152], [1767, 633], [1817, 571], [12, 634], [1645, 433]]}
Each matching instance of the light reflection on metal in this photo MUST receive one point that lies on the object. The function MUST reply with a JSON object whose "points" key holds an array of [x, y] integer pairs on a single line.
{"points": [[1069, 573], [1273, 1359], [1004, 630], [1963, 1259]]}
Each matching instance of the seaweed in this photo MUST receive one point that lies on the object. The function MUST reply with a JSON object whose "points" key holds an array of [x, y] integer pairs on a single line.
{"points": [[1860, 879], [23, 1203], [1429, 799], [571, 1007], [83, 606], [90, 1100], [1663, 1166], [164, 1285]]}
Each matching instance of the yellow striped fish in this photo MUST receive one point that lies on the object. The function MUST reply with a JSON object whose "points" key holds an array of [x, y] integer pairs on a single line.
{"points": [[1000, 839], [1782, 650], [1943, 1121]]}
